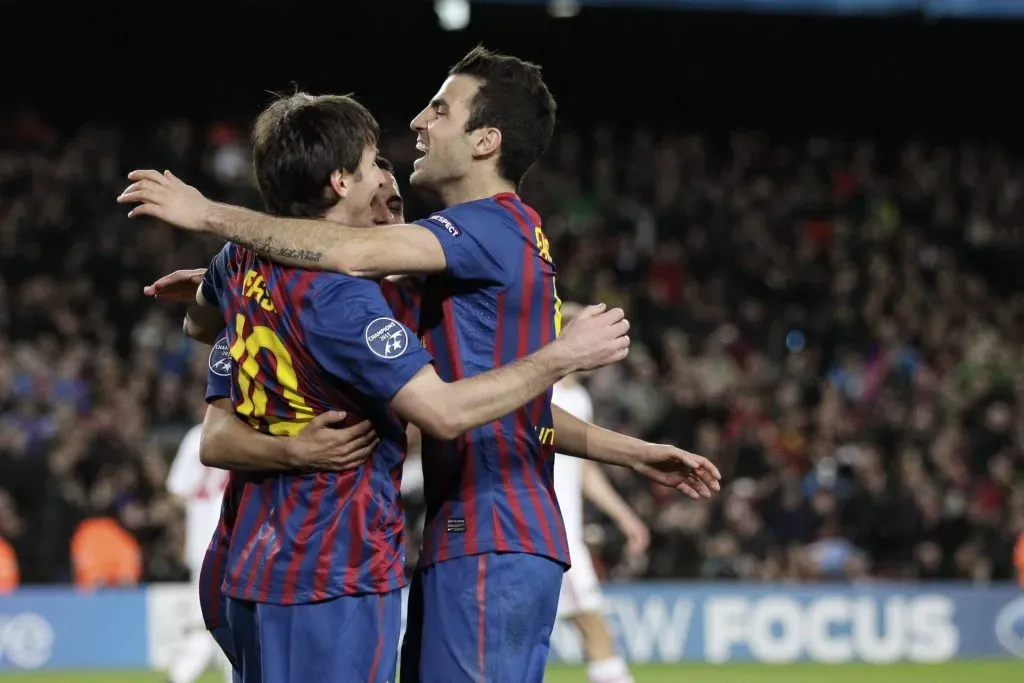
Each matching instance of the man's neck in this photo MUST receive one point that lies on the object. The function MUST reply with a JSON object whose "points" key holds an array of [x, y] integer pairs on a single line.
{"points": [[470, 189], [342, 216]]}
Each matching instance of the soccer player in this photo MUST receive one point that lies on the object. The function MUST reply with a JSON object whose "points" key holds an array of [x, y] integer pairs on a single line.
{"points": [[492, 519], [201, 489], [580, 600], [316, 561]]}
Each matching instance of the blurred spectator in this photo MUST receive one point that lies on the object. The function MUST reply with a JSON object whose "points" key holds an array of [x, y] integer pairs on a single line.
{"points": [[104, 554], [839, 325]]}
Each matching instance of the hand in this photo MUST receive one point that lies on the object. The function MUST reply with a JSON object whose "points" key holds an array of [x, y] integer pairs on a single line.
{"points": [[321, 447], [669, 466], [178, 286], [638, 537], [594, 338], [163, 196]]}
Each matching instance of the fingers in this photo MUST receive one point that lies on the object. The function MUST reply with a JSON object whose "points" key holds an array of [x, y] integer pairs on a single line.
{"points": [[357, 458], [614, 317], [363, 441], [144, 210], [147, 174], [591, 311], [327, 419], [687, 490]]}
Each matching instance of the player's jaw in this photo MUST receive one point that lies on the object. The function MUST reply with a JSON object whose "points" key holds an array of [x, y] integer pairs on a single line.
{"points": [[357, 191]]}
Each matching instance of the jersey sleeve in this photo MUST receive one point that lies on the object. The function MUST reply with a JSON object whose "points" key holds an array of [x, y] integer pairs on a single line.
{"points": [[219, 367], [186, 472], [215, 281], [354, 336], [474, 240]]}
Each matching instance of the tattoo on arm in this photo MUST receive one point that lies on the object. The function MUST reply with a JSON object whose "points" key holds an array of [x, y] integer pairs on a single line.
{"points": [[265, 247]]}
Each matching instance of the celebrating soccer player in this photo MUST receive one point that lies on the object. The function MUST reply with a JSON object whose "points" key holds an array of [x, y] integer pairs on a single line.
{"points": [[492, 518]]}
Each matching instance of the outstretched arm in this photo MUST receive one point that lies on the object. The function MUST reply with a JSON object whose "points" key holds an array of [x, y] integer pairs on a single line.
{"points": [[446, 410], [316, 244], [691, 474]]}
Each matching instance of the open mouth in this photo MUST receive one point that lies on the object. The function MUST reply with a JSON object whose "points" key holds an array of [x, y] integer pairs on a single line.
{"points": [[423, 149]]}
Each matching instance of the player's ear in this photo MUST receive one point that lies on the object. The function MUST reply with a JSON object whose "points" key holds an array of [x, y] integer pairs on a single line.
{"points": [[339, 183], [487, 141]]}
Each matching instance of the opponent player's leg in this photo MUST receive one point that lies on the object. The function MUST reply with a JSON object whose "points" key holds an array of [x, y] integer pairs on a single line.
{"points": [[352, 638], [197, 652], [488, 618], [581, 602]]}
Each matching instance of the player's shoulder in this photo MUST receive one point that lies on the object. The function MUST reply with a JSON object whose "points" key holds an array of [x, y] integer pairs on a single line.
{"points": [[337, 295], [504, 210]]}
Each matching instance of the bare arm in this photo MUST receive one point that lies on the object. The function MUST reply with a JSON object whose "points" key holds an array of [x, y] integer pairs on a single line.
{"points": [[581, 439], [446, 410], [599, 491], [203, 321], [691, 474], [594, 338], [230, 444], [404, 249], [318, 244]]}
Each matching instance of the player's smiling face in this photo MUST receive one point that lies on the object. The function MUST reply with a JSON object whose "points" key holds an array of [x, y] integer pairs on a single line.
{"points": [[447, 149], [357, 191]]}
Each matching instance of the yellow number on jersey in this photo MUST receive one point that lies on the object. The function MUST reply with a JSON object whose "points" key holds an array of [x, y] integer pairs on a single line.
{"points": [[254, 403]]}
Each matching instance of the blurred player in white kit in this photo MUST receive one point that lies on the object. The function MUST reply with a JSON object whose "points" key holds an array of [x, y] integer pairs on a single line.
{"points": [[202, 490], [575, 479]]}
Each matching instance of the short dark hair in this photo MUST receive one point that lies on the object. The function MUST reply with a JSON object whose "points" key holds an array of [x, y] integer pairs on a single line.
{"points": [[299, 141], [385, 165], [514, 99]]}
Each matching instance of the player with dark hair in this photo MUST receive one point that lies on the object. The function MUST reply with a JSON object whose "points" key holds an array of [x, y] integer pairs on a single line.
{"points": [[492, 519], [315, 560]]}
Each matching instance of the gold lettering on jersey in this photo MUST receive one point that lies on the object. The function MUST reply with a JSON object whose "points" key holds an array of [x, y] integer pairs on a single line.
{"points": [[255, 287], [543, 246], [546, 436]]}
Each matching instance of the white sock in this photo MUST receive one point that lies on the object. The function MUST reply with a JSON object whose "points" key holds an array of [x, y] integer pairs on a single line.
{"points": [[612, 670], [194, 657]]}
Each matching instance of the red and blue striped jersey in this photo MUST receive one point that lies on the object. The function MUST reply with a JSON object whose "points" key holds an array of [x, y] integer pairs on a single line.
{"points": [[492, 489], [305, 342], [212, 601]]}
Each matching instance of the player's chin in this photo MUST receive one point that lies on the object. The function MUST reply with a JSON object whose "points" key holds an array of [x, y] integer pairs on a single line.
{"points": [[420, 178]]}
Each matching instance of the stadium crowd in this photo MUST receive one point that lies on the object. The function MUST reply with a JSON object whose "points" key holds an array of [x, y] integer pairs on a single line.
{"points": [[835, 323]]}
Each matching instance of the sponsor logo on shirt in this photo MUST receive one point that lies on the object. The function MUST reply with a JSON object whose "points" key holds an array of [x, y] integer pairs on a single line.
{"points": [[452, 229]]}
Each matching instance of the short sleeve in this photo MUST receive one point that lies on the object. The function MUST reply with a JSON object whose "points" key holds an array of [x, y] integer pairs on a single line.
{"points": [[219, 367], [472, 249], [215, 281], [354, 336]]}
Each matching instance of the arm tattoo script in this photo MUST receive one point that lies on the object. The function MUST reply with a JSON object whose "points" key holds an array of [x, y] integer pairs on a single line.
{"points": [[266, 247]]}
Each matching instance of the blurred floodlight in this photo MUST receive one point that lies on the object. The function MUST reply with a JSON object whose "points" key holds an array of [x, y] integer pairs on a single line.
{"points": [[563, 9], [452, 15]]}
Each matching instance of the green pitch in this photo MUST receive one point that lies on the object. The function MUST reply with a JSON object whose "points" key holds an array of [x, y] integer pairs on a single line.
{"points": [[963, 672]]}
